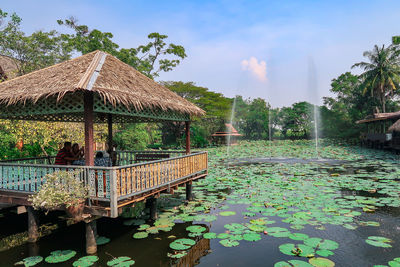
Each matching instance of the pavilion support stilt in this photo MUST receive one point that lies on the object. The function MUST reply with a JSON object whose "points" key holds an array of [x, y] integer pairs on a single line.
{"points": [[189, 194], [91, 231], [33, 225], [152, 204], [187, 133]]}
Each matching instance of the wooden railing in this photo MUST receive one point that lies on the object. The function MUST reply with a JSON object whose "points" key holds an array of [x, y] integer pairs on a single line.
{"points": [[131, 157], [140, 177], [107, 184]]}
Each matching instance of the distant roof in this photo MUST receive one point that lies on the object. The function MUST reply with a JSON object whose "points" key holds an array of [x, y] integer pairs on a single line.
{"points": [[114, 81], [380, 117], [230, 131]]}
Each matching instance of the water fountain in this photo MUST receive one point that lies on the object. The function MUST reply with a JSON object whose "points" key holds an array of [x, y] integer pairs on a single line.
{"points": [[313, 91], [270, 131], [231, 120]]}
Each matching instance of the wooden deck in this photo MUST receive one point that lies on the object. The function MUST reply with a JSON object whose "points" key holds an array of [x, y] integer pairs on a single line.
{"points": [[110, 188]]}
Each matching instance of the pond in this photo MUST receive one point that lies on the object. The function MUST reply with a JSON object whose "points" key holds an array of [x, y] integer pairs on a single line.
{"points": [[344, 211]]}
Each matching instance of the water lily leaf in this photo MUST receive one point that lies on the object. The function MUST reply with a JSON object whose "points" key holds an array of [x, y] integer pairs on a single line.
{"points": [[278, 231], [251, 237], [30, 261], [177, 255], [379, 241], [297, 250], [196, 229], [321, 262], [223, 235], [85, 261], [121, 262], [229, 243], [182, 244], [292, 263], [227, 213], [210, 235], [320, 243], [60, 256], [140, 235]]}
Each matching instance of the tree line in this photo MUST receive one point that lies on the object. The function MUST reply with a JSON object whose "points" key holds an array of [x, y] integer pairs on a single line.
{"points": [[355, 96]]}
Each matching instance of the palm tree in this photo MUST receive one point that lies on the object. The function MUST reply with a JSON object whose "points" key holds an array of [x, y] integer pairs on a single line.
{"points": [[381, 75]]}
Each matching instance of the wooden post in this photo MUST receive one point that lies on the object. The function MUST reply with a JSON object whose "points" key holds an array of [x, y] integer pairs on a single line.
{"points": [[91, 246], [152, 204], [187, 132], [189, 194], [110, 133], [88, 117], [33, 225]]}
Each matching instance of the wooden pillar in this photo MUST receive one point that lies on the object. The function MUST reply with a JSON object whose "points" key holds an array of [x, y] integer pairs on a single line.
{"points": [[110, 132], [152, 204], [91, 246], [187, 133], [88, 117], [189, 194], [33, 225]]}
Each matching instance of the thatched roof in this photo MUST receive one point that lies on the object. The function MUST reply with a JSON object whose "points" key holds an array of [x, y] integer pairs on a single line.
{"points": [[380, 117], [116, 82], [395, 127]]}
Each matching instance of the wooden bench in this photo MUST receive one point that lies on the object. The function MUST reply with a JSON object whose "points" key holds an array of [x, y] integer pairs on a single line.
{"points": [[150, 157]]}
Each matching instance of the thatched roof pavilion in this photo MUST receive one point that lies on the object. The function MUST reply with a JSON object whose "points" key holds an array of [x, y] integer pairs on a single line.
{"points": [[96, 87], [395, 127]]}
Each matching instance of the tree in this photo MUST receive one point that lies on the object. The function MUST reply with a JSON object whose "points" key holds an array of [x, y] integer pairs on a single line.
{"points": [[381, 75], [32, 52], [254, 121], [150, 59], [296, 120], [216, 106]]}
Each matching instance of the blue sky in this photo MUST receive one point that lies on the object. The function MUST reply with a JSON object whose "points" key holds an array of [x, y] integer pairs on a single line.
{"points": [[284, 51]]}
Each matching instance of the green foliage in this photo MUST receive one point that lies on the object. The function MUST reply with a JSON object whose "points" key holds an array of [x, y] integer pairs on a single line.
{"points": [[152, 58], [135, 136], [381, 76], [61, 188], [30, 52]]}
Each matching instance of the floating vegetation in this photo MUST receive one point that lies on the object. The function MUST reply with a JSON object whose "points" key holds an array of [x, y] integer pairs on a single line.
{"points": [[121, 262], [30, 261], [182, 244], [379, 241], [140, 235], [85, 261], [60, 256]]}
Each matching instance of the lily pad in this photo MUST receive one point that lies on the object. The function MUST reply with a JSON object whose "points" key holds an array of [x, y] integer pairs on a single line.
{"points": [[30, 261], [210, 235], [182, 244], [227, 213], [292, 263], [140, 235], [196, 229], [85, 261], [101, 240], [379, 241], [58, 256], [252, 237], [321, 262], [229, 243], [121, 262]]}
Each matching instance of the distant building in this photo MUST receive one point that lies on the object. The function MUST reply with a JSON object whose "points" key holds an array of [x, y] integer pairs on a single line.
{"points": [[231, 135], [382, 130]]}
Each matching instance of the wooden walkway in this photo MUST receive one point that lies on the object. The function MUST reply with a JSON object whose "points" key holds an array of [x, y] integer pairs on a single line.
{"points": [[110, 188]]}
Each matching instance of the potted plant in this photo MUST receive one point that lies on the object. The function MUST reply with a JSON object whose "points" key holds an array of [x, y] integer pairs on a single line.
{"points": [[62, 190]]}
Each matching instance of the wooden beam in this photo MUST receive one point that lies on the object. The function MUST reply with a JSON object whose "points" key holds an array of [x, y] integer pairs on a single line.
{"points": [[88, 116], [187, 133]]}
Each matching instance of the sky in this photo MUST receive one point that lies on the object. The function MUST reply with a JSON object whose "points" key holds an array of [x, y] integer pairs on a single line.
{"points": [[283, 51]]}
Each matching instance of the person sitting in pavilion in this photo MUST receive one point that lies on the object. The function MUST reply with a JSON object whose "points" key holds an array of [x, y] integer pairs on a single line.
{"points": [[78, 153], [64, 156], [101, 161]]}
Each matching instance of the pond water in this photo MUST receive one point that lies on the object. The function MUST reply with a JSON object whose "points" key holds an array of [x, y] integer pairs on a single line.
{"points": [[342, 212]]}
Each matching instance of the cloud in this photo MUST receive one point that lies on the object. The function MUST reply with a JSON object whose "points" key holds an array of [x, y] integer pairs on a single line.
{"points": [[258, 69]]}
